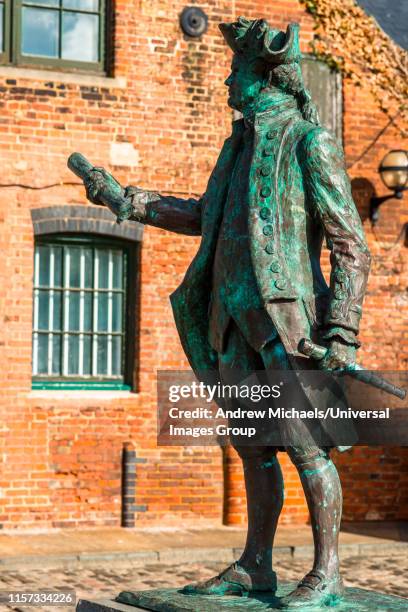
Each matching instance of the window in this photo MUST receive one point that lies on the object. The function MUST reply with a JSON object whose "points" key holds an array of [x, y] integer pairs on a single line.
{"points": [[324, 85], [80, 307], [53, 33]]}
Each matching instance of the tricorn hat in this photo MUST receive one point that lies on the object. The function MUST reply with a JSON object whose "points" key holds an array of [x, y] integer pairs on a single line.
{"points": [[257, 40]]}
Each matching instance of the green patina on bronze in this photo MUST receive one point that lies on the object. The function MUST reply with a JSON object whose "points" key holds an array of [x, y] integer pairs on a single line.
{"points": [[255, 289], [298, 192], [171, 600]]}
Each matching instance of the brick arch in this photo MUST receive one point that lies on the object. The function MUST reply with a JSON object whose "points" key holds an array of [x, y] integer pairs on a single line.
{"points": [[84, 220]]}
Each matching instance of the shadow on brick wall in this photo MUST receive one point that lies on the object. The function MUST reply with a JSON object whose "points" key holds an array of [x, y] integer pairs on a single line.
{"points": [[363, 190]]}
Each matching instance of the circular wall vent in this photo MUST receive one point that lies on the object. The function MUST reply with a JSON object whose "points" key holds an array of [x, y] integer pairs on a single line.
{"points": [[193, 21]]}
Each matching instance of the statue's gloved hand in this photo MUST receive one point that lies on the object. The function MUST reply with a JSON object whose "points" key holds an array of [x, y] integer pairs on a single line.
{"points": [[139, 199], [340, 355], [94, 183]]}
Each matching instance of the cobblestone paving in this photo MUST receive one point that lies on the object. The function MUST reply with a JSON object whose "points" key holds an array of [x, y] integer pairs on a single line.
{"points": [[387, 574]]}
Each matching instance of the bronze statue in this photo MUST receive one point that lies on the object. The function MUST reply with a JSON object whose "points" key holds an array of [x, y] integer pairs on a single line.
{"points": [[255, 288]]}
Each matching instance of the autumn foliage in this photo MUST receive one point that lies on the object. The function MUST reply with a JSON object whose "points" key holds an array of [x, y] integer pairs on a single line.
{"points": [[351, 40]]}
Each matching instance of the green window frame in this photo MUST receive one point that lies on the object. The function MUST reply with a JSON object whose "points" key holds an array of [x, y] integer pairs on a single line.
{"points": [[83, 313], [4, 30], [59, 34]]}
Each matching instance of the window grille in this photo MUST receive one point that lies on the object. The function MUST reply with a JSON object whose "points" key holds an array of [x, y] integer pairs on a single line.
{"points": [[79, 311]]}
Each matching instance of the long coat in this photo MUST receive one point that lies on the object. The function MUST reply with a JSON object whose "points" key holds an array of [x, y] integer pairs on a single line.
{"points": [[305, 195]]}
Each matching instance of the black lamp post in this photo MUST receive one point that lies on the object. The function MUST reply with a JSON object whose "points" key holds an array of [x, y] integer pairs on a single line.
{"points": [[394, 174]]}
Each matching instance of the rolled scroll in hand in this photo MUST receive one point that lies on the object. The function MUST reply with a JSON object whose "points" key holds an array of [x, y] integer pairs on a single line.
{"points": [[101, 187]]}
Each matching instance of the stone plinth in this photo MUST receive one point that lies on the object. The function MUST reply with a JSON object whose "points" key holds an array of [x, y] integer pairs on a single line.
{"points": [[171, 600]]}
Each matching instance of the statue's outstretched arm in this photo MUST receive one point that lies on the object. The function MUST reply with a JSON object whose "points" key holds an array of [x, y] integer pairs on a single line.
{"points": [[174, 214], [167, 212]]}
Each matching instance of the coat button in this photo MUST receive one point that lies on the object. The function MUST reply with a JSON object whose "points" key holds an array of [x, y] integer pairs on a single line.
{"points": [[268, 230], [266, 170], [266, 191], [281, 284], [270, 247], [265, 213], [275, 266], [270, 134]]}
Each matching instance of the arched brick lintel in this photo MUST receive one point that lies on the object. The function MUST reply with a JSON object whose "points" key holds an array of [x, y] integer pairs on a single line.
{"points": [[84, 220]]}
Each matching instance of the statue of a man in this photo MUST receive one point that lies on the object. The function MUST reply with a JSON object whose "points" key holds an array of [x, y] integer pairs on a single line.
{"points": [[255, 287]]}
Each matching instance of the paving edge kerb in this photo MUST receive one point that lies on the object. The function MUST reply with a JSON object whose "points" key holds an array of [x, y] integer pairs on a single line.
{"points": [[181, 555]]}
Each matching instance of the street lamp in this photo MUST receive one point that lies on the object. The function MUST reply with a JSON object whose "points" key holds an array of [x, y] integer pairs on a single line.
{"points": [[394, 174]]}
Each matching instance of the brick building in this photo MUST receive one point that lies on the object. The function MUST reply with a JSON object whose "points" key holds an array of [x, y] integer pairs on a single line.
{"points": [[154, 113]]}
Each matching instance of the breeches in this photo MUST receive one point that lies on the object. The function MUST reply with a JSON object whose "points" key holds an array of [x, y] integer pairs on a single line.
{"points": [[239, 357]]}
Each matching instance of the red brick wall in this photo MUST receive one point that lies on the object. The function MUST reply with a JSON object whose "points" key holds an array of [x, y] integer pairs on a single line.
{"points": [[375, 479], [61, 451]]}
